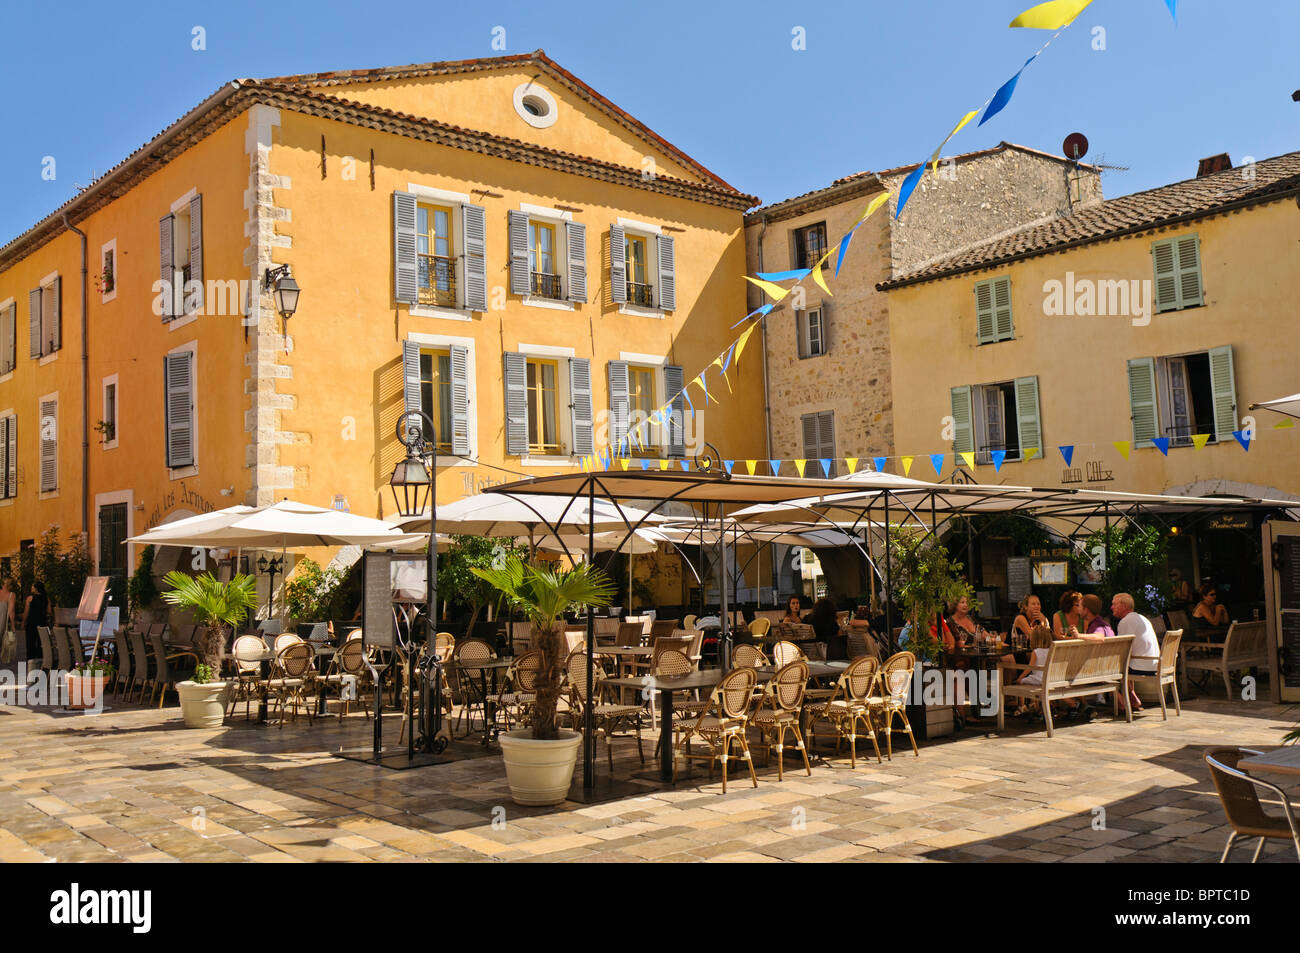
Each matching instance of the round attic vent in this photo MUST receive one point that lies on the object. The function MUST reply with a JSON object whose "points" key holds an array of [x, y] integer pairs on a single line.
{"points": [[535, 105]]}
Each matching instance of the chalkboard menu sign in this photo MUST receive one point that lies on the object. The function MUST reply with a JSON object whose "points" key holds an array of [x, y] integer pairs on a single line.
{"points": [[1288, 571], [1291, 649], [377, 605], [1018, 576]]}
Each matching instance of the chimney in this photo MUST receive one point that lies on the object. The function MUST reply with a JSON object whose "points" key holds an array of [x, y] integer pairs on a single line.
{"points": [[1219, 163]]}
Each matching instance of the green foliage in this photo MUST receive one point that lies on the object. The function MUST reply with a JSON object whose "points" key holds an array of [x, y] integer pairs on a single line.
{"points": [[216, 605], [458, 581], [62, 570], [308, 591], [925, 579], [142, 591], [26, 572], [1134, 564], [202, 674]]}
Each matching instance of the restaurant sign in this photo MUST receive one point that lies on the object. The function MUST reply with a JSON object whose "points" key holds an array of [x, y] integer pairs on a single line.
{"points": [[1231, 521]]}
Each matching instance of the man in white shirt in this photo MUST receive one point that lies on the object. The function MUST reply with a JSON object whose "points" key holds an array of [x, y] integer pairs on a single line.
{"points": [[1128, 622]]}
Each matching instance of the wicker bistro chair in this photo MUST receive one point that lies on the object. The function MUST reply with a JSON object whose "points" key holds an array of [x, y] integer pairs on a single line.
{"points": [[847, 707], [516, 704], [748, 656], [662, 628], [894, 683], [760, 627], [689, 621], [348, 676], [247, 665], [608, 717], [779, 712], [1238, 792], [720, 725], [293, 678], [630, 633], [167, 668], [1166, 674], [472, 680], [278, 642]]}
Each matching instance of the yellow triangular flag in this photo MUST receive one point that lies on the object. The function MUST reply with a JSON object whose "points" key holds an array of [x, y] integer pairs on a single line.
{"points": [[853, 464], [969, 458], [799, 465], [623, 461], [1199, 440], [1283, 424], [743, 339], [774, 291], [907, 465], [817, 274], [1123, 447], [663, 464], [934, 159], [875, 203], [1053, 15], [1031, 452], [751, 465]]}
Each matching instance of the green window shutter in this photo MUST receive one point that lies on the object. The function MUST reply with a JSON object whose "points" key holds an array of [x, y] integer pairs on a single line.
{"points": [[1223, 387], [1002, 327], [617, 264], [580, 406], [473, 224], [667, 273], [963, 434], [673, 379], [34, 323], [178, 381], [1164, 260], [460, 400], [576, 243], [984, 319], [1028, 415], [196, 247], [618, 405], [516, 381], [166, 268], [1142, 400], [521, 281], [406, 272], [1188, 252]]}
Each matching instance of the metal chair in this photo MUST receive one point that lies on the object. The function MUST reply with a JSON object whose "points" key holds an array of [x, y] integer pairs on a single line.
{"points": [[721, 725], [246, 656], [760, 627], [293, 678], [1166, 673], [1241, 805], [895, 682], [607, 717], [521, 679], [473, 680], [348, 675], [779, 711], [62, 656], [847, 707]]}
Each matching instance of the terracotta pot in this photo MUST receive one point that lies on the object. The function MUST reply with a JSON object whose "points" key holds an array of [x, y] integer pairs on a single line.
{"points": [[539, 772], [202, 706], [85, 691]]}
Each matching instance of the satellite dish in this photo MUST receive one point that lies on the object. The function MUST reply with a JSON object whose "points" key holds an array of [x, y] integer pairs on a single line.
{"points": [[1075, 146]]}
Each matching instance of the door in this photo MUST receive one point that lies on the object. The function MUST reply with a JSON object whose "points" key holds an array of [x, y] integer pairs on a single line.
{"points": [[1282, 605]]}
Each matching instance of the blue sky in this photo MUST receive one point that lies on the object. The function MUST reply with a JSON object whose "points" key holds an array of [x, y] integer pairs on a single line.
{"points": [[879, 84]]}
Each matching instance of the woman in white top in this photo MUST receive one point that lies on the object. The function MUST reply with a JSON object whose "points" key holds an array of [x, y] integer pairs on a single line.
{"points": [[1040, 640]]}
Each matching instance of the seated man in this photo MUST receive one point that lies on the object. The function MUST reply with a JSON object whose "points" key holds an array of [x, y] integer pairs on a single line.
{"points": [[1145, 641]]}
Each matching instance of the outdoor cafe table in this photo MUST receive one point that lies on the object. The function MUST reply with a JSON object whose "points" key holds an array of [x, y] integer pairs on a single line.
{"points": [[627, 657], [489, 698], [669, 685], [1282, 761]]}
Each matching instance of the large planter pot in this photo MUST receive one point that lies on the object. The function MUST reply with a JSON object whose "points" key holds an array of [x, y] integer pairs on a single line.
{"points": [[539, 772], [85, 691], [202, 706]]}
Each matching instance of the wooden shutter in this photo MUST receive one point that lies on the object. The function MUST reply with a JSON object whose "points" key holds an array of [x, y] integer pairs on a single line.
{"points": [[809, 427], [516, 381], [580, 415], [676, 423], [52, 319], [167, 269], [406, 269], [824, 326], [801, 332], [617, 264], [520, 279], [411, 376], [11, 457], [196, 249], [8, 343], [49, 434], [1028, 415], [473, 222], [985, 323], [1142, 400], [667, 273], [1223, 388], [963, 434], [618, 404], [178, 380], [826, 437], [577, 257], [34, 325], [1164, 260], [460, 400], [4, 458], [1188, 254], [1002, 327]]}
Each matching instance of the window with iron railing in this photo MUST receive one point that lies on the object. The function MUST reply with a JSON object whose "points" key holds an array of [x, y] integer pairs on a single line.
{"points": [[546, 285], [437, 281], [640, 293]]}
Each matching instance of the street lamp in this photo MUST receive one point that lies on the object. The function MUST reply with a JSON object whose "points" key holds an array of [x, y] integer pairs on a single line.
{"points": [[272, 569], [284, 290], [413, 489]]}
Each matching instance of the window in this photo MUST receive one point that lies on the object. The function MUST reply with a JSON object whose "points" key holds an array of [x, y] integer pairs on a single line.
{"points": [[642, 266], [1001, 418], [993, 311], [178, 408], [639, 290], [543, 419], [435, 255], [49, 441], [1177, 263], [819, 442], [112, 541], [107, 425], [542, 267], [8, 337], [8, 456], [809, 245], [811, 328], [180, 241], [641, 404], [107, 277], [46, 317], [435, 396], [1183, 400]]}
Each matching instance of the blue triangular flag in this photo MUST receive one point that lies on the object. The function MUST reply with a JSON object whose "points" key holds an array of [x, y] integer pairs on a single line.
{"points": [[936, 461], [686, 465], [908, 187], [760, 310], [728, 464], [844, 250], [1068, 454], [1173, 8], [826, 465], [726, 358], [1242, 439], [776, 467], [604, 458], [645, 464], [1003, 95], [687, 397], [998, 457], [798, 274], [879, 463], [1161, 444]]}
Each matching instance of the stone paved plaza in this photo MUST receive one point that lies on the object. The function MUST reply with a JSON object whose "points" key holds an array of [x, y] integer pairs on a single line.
{"points": [[132, 784]]}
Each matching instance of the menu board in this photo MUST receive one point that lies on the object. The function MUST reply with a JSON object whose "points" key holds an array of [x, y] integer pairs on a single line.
{"points": [[1288, 571], [377, 605], [1291, 648], [1018, 578]]}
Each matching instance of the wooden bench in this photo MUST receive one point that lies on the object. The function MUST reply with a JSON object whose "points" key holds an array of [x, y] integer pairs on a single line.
{"points": [[1074, 668], [1244, 646]]}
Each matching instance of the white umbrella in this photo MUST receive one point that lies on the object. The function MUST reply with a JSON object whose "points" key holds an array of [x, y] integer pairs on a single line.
{"points": [[525, 515], [1283, 405], [283, 525]]}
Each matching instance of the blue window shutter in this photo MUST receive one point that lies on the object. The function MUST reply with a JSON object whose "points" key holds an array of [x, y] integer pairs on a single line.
{"points": [[676, 423], [1223, 388], [406, 281], [516, 382], [963, 434], [577, 258], [459, 400], [580, 406], [167, 270], [618, 406], [1142, 400], [617, 264], [520, 279], [667, 273], [474, 228]]}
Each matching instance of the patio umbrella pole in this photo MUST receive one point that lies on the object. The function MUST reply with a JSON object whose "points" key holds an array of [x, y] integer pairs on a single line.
{"points": [[889, 583], [724, 639], [589, 713]]}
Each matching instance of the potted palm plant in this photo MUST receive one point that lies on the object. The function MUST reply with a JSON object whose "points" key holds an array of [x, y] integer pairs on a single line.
{"points": [[217, 607], [540, 760]]}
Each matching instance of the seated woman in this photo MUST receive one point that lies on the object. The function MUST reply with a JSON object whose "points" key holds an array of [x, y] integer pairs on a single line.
{"points": [[962, 621], [1031, 615], [1066, 622], [826, 626], [792, 607], [1208, 611]]}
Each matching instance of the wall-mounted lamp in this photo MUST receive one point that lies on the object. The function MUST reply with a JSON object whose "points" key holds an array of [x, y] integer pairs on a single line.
{"points": [[284, 289]]}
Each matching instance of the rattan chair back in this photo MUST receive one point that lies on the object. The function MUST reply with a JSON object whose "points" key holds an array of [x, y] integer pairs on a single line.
{"points": [[469, 651], [788, 685], [760, 627], [245, 652], [578, 679], [295, 659], [689, 622], [285, 638], [445, 645], [733, 696], [860, 678], [896, 677], [783, 653], [351, 658], [672, 662], [524, 672], [748, 656]]}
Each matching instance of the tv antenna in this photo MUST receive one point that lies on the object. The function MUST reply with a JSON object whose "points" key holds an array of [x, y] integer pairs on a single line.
{"points": [[1075, 148]]}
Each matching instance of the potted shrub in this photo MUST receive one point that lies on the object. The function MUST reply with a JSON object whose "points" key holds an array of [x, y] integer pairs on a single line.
{"points": [[141, 592], [217, 607], [540, 760], [86, 683]]}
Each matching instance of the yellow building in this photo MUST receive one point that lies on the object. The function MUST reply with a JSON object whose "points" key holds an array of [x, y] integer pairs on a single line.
{"points": [[489, 241], [1130, 336]]}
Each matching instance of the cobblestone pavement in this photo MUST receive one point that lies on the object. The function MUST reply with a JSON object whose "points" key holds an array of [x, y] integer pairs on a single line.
{"points": [[133, 784]]}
